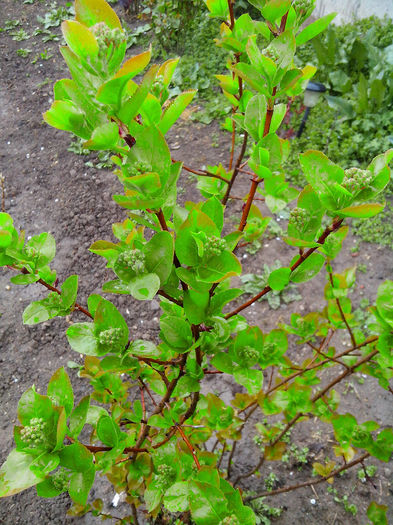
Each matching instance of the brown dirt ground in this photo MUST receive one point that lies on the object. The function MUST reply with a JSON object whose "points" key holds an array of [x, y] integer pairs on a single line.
{"points": [[51, 189]]}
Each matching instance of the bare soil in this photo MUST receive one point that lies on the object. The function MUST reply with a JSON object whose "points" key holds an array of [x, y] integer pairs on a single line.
{"points": [[50, 189]]}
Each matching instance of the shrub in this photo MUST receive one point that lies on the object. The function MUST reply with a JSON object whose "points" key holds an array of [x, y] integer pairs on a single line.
{"points": [[153, 445]]}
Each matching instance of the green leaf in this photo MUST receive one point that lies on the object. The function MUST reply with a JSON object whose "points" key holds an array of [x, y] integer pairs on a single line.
{"points": [[255, 116], [308, 269], [35, 313], [384, 302], [64, 115], [60, 390], [207, 503], [152, 499], [250, 378], [104, 137], [69, 291], [159, 255], [142, 348], [218, 8], [82, 339], [176, 497], [131, 108], [107, 431], [274, 9], [78, 417], [16, 475], [80, 485], [175, 109], [377, 513], [24, 279], [91, 12], [34, 405], [314, 29], [219, 267], [176, 332], [222, 362], [185, 386], [196, 305], [325, 177], [279, 279], [43, 246], [363, 211], [80, 39], [76, 457], [135, 65], [145, 287]]}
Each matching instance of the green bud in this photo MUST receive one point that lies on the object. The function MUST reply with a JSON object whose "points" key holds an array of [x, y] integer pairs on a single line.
{"points": [[166, 475], [106, 36], [214, 246], [158, 86], [298, 218], [302, 6], [356, 180], [60, 479], [248, 355], [140, 168], [112, 339], [34, 434], [133, 260], [271, 53]]}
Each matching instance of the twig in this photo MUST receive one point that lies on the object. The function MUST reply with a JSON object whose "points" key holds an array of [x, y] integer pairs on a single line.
{"points": [[204, 173], [237, 166], [341, 310], [335, 226], [293, 421], [189, 446], [169, 297], [310, 481], [134, 514], [230, 458], [53, 289], [222, 455]]}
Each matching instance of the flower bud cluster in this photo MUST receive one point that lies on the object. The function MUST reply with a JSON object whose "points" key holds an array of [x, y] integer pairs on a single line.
{"points": [[6, 230], [106, 36], [30, 252], [139, 168], [271, 53], [298, 218], [356, 180], [249, 355], [302, 6], [214, 246], [360, 435], [158, 86], [111, 338], [166, 475], [133, 260], [230, 520], [60, 479], [34, 433]]}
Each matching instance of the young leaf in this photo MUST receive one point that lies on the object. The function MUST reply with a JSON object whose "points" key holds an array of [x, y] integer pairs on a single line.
{"points": [[16, 475], [91, 12], [308, 269], [60, 390], [313, 29], [279, 279]]}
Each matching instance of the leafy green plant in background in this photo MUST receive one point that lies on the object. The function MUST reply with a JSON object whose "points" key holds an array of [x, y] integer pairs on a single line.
{"points": [[151, 426], [355, 63]]}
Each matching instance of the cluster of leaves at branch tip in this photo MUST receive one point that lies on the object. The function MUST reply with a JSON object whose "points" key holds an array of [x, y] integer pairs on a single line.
{"points": [[154, 445]]}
